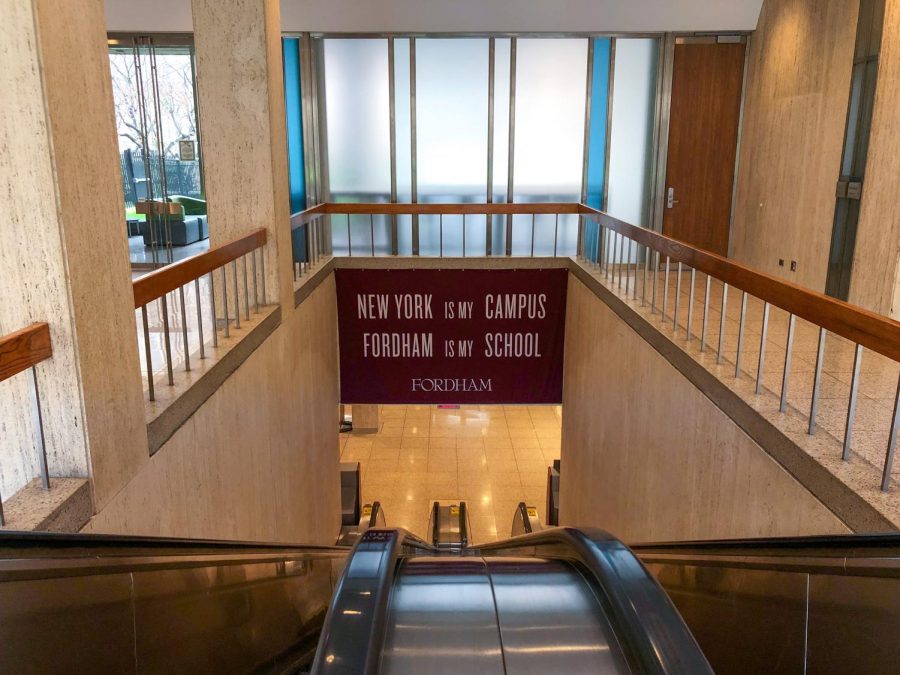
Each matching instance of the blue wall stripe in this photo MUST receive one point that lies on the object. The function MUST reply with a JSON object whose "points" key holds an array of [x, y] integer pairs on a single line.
{"points": [[294, 119], [597, 137], [292, 100]]}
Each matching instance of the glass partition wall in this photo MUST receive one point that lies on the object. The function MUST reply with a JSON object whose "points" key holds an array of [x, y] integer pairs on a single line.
{"points": [[154, 94], [474, 119]]}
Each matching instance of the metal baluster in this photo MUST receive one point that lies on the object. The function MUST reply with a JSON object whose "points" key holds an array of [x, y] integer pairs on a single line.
{"points": [[628, 269], [647, 256], [851, 408], [199, 318], [621, 257], [892, 443], [690, 316], [532, 235], [597, 250], [262, 275], [655, 284], [722, 322], [225, 298], [786, 376], [38, 418], [246, 286], [184, 332], [635, 256], [705, 314], [349, 242], [740, 344], [212, 305], [168, 344], [372, 232], [814, 404], [255, 282], [609, 240], [237, 300], [665, 290], [555, 235], [464, 235], [147, 352], [762, 348], [677, 299]]}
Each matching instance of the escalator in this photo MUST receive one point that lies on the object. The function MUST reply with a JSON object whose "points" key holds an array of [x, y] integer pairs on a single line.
{"points": [[545, 600]]}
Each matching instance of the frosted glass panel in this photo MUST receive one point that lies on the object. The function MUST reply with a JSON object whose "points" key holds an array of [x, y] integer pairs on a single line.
{"points": [[451, 118], [551, 77], [631, 134], [549, 141], [358, 119]]}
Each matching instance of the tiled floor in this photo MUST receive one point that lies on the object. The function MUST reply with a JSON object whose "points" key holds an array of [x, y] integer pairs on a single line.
{"points": [[493, 457]]}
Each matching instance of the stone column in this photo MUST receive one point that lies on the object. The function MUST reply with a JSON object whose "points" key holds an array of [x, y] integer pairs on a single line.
{"points": [[242, 125], [63, 243]]}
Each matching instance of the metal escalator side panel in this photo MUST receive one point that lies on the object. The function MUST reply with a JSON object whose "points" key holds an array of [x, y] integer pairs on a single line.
{"points": [[550, 620], [353, 634], [653, 636], [442, 619]]}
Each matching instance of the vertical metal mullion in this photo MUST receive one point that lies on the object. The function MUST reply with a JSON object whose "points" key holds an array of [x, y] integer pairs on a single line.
{"points": [[488, 218], [511, 155], [414, 183], [392, 111], [589, 91]]}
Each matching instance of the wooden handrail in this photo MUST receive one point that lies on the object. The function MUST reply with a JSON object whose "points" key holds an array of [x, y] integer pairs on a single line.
{"points": [[873, 331], [23, 349], [382, 208], [156, 284]]}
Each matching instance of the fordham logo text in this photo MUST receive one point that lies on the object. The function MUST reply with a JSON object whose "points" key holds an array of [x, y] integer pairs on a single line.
{"points": [[450, 384]]}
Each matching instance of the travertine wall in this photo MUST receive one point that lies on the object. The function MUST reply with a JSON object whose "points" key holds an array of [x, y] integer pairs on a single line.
{"points": [[259, 460], [648, 457], [876, 261], [798, 85], [63, 248]]}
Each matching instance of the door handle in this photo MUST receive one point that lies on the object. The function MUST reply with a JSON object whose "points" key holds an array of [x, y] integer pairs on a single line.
{"points": [[670, 198]]}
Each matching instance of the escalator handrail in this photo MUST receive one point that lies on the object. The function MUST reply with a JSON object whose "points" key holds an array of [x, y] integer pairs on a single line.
{"points": [[851, 554], [352, 637], [650, 630]]}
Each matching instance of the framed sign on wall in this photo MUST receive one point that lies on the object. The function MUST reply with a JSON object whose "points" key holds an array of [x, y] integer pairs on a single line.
{"points": [[451, 336]]}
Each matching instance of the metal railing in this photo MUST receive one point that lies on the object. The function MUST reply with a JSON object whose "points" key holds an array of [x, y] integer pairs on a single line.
{"points": [[617, 249], [631, 259], [20, 351], [310, 240], [245, 288], [461, 229]]}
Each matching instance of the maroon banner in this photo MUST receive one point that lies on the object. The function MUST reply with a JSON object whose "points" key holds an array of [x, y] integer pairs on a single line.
{"points": [[451, 336]]}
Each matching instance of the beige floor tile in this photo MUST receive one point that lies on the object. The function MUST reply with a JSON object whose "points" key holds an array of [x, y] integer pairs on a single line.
{"points": [[414, 442], [529, 454], [385, 453], [547, 444], [441, 442], [523, 442], [505, 479], [501, 465], [470, 443], [359, 443], [496, 443]]}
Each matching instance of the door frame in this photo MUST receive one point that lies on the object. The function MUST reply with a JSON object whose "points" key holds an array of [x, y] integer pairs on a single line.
{"points": [[663, 119]]}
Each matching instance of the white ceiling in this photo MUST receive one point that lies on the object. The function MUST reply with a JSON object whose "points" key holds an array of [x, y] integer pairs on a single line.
{"points": [[463, 15]]}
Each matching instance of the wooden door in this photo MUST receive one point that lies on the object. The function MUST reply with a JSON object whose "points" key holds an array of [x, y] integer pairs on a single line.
{"points": [[703, 131]]}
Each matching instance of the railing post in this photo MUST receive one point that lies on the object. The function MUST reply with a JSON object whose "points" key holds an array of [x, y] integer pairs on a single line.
{"points": [[38, 418]]}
